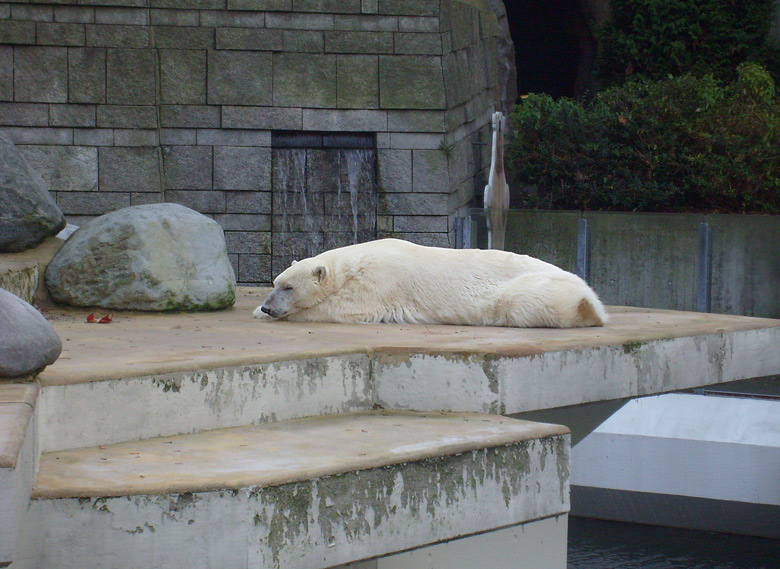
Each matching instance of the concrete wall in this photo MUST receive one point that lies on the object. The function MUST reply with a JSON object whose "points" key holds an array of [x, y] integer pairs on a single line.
{"points": [[125, 102], [650, 260]]}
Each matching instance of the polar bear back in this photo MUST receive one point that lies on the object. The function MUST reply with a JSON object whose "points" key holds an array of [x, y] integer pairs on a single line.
{"points": [[396, 281]]}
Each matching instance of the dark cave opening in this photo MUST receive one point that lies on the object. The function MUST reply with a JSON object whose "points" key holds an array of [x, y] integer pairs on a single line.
{"points": [[554, 47]]}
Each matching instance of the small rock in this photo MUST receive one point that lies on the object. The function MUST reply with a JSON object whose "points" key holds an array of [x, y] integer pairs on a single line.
{"points": [[28, 343], [147, 257], [28, 213]]}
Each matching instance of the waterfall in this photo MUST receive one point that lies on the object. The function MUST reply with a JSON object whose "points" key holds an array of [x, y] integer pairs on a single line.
{"points": [[322, 198]]}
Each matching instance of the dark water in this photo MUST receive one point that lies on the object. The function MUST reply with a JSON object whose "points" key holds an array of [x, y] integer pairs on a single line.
{"points": [[596, 544]]}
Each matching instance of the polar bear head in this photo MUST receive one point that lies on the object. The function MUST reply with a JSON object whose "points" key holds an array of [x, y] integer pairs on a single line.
{"points": [[303, 285]]}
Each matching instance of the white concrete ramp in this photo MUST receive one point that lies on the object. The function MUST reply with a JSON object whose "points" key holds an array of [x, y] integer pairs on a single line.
{"points": [[307, 493]]}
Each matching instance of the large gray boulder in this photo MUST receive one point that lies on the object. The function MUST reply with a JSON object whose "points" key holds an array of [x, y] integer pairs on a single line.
{"points": [[28, 343], [147, 257], [28, 213]]}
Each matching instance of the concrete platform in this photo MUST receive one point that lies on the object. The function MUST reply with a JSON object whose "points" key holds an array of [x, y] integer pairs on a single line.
{"points": [[148, 375], [308, 493]]}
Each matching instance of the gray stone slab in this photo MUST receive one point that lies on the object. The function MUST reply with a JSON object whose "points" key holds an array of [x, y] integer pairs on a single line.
{"points": [[413, 204], [239, 78], [411, 82], [304, 80], [259, 39], [181, 37], [242, 168], [276, 5], [248, 202], [65, 168], [244, 222], [430, 171], [72, 115], [293, 21], [87, 75], [146, 198], [301, 41], [17, 32], [408, 24], [117, 36], [416, 121], [128, 170], [267, 118], [92, 203], [344, 120], [254, 268], [178, 136], [358, 42], [250, 242], [366, 23], [24, 114], [74, 14], [190, 116], [341, 6], [41, 74], [136, 137], [416, 141], [220, 137], [32, 13], [127, 116], [395, 170], [358, 81], [408, 7], [188, 167], [60, 34], [183, 76], [126, 16], [173, 17], [93, 137], [28, 135], [418, 43], [219, 18], [131, 77], [6, 73], [203, 201], [420, 224]]}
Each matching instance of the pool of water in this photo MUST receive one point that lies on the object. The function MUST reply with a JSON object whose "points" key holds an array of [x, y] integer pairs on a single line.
{"points": [[596, 544]]}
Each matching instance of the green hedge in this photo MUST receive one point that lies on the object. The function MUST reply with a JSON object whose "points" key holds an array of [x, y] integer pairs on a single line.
{"points": [[683, 144], [658, 38]]}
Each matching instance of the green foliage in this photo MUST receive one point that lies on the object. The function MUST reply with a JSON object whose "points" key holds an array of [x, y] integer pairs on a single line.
{"points": [[655, 39], [683, 144]]}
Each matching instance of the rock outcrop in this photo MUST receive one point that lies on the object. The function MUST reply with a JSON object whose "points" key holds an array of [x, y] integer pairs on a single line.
{"points": [[151, 257]]}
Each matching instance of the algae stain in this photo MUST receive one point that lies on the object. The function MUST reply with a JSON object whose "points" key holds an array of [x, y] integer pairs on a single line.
{"points": [[632, 348]]}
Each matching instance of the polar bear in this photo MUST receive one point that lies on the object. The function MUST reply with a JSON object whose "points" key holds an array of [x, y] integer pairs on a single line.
{"points": [[395, 281]]}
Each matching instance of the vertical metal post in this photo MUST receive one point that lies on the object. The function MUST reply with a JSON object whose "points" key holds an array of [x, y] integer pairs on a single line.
{"points": [[704, 279], [583, 249], [463, 232]]}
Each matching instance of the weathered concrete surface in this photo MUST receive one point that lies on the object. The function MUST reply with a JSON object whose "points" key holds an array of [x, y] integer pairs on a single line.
{"points": [[308, 493], [147, 375], [21, 273], [17, 460]]}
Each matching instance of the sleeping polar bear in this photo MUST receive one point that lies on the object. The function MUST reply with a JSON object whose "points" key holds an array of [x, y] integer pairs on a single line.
{"points": [[398, 282]]}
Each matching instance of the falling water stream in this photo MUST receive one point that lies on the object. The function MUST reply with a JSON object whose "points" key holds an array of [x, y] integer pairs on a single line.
{"points": [[324, 196]]}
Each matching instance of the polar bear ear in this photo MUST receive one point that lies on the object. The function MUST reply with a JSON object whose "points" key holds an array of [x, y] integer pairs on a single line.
{"points": [[294, 261], [320, 272]]}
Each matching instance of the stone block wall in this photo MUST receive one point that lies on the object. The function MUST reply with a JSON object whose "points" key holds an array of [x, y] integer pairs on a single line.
{"points": [[125, 102]]}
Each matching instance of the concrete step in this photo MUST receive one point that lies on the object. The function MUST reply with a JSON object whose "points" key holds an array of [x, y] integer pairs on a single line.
{"points": [[17, 460], [147, 375], [307, 493]]}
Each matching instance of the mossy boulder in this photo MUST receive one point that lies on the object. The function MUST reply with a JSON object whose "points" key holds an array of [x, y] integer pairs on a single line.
{"points": [[154, 257]]}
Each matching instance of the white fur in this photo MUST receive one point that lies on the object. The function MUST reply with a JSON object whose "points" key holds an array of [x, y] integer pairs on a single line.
{"points": [[398, 282]]}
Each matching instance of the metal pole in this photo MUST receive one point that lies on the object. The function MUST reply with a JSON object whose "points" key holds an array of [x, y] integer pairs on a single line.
{"points": [[704, 280], [583, 249]]}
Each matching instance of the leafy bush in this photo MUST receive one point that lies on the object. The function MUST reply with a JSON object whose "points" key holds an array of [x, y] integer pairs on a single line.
{"points": [[683, 144], [658, 38]]}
